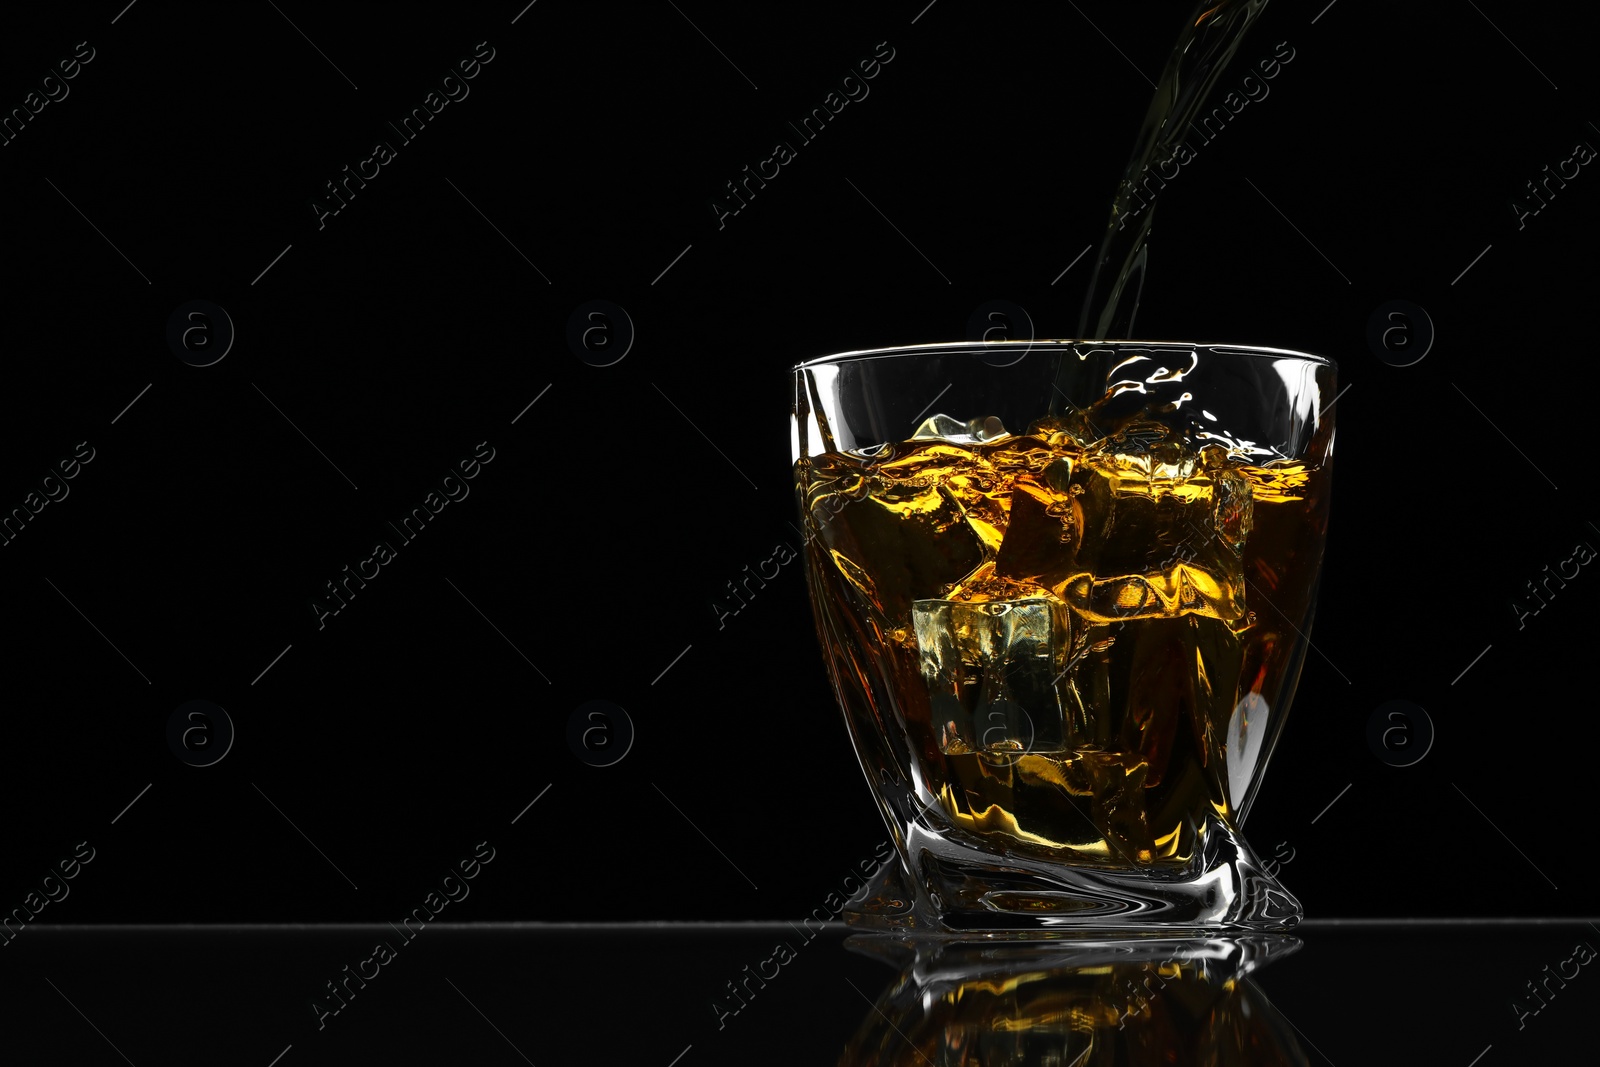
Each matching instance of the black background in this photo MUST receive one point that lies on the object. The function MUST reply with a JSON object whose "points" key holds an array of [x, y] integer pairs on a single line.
{"points": [[379, 350]]}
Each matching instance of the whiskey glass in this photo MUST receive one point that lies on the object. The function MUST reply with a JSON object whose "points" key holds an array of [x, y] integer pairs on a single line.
{"points": [[1063, 591]]}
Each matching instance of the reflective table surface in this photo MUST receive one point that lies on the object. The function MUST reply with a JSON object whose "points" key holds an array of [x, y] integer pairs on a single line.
{"points": [[1462, 993]]}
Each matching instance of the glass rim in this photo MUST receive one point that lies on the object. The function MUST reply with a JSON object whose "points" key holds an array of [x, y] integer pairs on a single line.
{"points": [[1258, 351]]}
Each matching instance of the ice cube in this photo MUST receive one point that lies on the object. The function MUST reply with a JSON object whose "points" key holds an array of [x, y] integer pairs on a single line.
{"points": [[1116, 781], [965, 479], [1137, 438], [894, 541], [1044, 528], [881, 450], [1072, 429], [1163, 531], [1181, 677], [992, 670], [948, 428]]}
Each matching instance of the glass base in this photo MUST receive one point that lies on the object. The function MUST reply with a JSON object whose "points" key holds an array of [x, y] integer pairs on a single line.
{"points": [[953, 889]]}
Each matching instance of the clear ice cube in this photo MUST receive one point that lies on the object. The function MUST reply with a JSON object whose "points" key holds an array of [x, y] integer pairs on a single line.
{"points": [[992, 670], [953, 430]]}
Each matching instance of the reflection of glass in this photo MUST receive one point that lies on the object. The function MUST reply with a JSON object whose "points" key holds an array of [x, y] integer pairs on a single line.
{"points": [[1065, 625], [1136, 1003]]}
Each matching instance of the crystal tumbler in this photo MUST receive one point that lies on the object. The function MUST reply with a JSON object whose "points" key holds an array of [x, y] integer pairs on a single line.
{"points": [[1063, 591]]}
